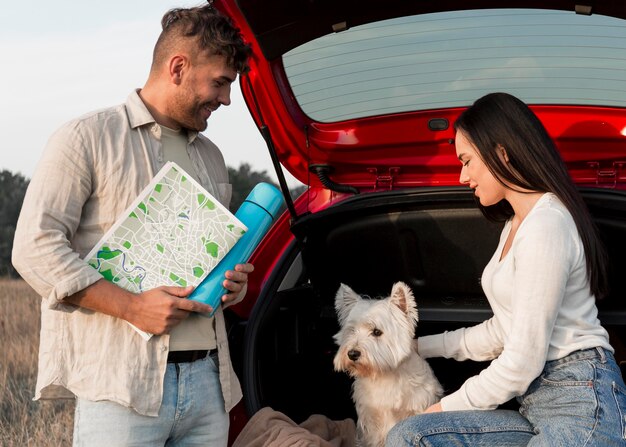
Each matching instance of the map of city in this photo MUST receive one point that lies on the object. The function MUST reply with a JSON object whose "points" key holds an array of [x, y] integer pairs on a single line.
{"points": [[174, 233]]}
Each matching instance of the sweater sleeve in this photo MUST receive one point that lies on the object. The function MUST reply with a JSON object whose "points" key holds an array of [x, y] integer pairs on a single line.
{"points": [[481, 342], [543, 253]]}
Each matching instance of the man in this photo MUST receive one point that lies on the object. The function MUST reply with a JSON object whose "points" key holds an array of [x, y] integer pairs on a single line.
{"points": [[178, 387]]}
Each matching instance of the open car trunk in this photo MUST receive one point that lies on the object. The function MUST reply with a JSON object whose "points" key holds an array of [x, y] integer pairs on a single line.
{"points": [[437, 241]]}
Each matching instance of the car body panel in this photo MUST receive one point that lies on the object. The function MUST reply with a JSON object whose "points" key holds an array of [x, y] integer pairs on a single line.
{"points": [[398, 149], [281, 25]]}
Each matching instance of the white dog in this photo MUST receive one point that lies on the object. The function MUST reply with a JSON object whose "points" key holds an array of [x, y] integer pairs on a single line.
{"points": [[392, 382]]}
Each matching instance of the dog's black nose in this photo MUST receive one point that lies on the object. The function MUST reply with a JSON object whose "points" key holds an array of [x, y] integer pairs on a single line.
{"points": [[354, 355]]}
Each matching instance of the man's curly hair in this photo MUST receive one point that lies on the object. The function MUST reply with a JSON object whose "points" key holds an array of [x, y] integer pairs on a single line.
{"points": [[213, 32]]}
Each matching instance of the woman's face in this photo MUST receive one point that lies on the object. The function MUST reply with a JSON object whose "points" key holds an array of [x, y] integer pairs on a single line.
{"points": [[476, 174]]}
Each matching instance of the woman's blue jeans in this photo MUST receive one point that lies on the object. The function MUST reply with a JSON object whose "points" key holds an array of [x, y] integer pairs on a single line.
{"points": [[579, 400]]}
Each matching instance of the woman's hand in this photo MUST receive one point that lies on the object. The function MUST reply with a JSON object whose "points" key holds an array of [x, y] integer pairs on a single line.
{"points": [[415, 345], [435, 408]]}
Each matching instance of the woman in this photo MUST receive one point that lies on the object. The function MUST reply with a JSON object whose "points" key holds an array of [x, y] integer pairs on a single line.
{"points": [[546, 342]]}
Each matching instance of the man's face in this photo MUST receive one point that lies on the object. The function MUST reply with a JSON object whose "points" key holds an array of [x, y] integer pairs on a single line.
{"points": [[204, 87]]}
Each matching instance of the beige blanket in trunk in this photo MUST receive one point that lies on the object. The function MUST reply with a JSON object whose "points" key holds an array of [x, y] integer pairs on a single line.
{"points": [[269, 428]]}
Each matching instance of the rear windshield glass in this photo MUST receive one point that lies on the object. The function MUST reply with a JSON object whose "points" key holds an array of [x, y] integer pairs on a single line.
{"points": [[450, 59]]}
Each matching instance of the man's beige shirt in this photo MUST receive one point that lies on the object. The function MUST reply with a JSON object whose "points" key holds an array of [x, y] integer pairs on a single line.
{"points": [[91, 170], [196, 331]]}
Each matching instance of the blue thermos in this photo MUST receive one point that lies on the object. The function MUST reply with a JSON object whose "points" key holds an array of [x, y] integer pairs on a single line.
{"points": [[257, 213]]}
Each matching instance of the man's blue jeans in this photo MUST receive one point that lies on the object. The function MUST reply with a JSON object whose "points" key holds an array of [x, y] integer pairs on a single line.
{"points": [[579, 400], [192, 413]]}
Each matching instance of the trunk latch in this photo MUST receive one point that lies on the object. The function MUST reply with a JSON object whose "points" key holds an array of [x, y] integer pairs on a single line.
{"points": [[384, 181], [610, 176]]}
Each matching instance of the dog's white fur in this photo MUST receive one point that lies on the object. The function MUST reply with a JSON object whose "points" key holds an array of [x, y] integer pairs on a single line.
{"points": [[376, 347]]}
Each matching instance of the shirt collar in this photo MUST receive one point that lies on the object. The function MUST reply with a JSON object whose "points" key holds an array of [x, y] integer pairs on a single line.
{"points": [[139, 115]]}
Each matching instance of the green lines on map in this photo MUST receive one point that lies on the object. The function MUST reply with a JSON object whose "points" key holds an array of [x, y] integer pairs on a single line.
{"points": [[210, 247], [142, 206], [106, 254], [178, 280], [108, 275], [232, 227], [160, 248], [198, 272], [127, 244], [158, 187], [203, 201], [137, 280]]}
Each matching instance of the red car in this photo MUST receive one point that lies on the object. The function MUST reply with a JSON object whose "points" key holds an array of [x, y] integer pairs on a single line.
{"points": [[357, 99]]}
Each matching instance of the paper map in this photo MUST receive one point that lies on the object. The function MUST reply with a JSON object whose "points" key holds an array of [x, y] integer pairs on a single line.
{"points": [[174, 233]]}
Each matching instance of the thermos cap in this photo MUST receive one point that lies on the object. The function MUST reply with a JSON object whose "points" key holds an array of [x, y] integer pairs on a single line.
{"points": [[266, 196]]}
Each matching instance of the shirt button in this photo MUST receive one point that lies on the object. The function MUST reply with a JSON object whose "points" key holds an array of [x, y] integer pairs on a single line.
{"points": [[163, 348]]}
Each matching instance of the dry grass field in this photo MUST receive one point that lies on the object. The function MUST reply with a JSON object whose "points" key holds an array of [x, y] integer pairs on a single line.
{"points": [[22, 421]]}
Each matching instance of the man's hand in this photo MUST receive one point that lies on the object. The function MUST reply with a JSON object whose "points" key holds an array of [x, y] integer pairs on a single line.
{"points": [[235, 282], [156, 311], [159, 310]]}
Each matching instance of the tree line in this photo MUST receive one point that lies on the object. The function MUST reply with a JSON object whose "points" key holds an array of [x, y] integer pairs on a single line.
{"points": [[13, 187]]}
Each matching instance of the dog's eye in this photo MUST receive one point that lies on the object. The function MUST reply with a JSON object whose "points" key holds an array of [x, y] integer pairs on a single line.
{"points": [[377, 332]]}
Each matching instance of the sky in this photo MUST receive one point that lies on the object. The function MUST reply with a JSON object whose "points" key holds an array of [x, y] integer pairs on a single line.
{"points": [[64, 58]]}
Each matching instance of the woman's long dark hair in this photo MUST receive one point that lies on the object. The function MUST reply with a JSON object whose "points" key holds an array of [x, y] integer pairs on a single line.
{"points": [[501, 120]]}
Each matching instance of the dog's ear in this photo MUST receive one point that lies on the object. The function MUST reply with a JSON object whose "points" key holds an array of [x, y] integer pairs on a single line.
{"points": [[345, 299], [402, 297]]}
